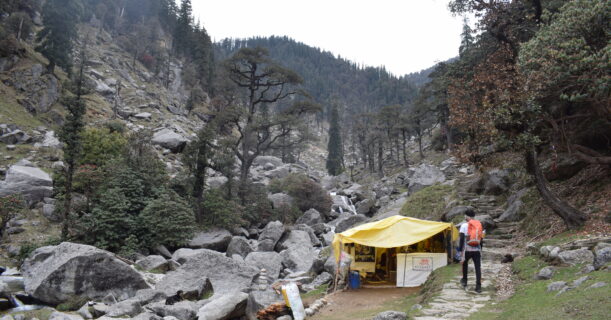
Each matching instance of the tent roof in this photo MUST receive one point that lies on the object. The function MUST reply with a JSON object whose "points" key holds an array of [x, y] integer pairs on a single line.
{"points": [[395, 231]]}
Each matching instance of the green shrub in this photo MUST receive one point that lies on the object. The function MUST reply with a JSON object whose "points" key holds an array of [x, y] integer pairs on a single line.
{"points": [[101, 146], [29, 247], [306, 193], [9, 205], [220, 212], [429, 202], [168, 220]]}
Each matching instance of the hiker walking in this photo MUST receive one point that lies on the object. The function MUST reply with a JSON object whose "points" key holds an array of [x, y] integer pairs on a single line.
{"points": [[471, 242]]}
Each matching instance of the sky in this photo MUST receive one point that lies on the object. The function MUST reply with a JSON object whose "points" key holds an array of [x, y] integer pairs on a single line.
{"points": [[403, 35]]}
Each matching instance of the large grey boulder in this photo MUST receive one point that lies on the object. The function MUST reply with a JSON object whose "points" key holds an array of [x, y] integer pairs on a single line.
{"points": [[321, 279], [365, 207], [270, 235], [258, 300], [68, 271], [263, 160], [545, 273], [183, 310], [40, 89], [293, 239], [30, 182], [56, 315], [423, 176], [217, 240], [240, 246], [310, 217], [129, 308], [573, 257], [153, 263], [487, 221], [298, 257], [169, 140], [278, 173], [514, 212], [15, 137], [228, 306], [270, 261], [602, 254], [493, 182], [183, 254], [280, 200], [313, 238], [347, 221], [458, 211], [225, 274], [193, 285], [390, 315]]}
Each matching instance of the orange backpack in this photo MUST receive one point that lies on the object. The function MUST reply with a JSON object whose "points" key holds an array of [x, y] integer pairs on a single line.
{"points": [[475, 233]]}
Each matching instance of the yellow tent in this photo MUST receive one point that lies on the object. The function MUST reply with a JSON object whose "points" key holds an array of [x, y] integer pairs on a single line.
{"points": [[395, 231]]}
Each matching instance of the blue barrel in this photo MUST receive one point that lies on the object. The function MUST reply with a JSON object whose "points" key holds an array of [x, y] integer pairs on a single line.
{"points": [[354, 280]]}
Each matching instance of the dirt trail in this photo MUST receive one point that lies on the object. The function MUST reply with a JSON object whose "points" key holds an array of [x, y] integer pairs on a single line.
{"points": [[363, 303]]}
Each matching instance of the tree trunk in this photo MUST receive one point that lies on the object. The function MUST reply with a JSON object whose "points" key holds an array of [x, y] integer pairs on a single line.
{"points": [[404, 146], [572, 217], [199, 183], [420, 146], [380, 156], [67, 200]]}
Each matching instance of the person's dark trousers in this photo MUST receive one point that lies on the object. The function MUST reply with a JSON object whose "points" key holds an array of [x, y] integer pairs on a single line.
{"points": [[477, 261]]}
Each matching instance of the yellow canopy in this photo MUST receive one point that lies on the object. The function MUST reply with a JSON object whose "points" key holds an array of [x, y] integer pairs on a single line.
{"points": [[395, 231]]}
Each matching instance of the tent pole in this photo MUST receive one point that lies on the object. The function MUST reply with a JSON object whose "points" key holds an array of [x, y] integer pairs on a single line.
{"points": [[339, 263]]}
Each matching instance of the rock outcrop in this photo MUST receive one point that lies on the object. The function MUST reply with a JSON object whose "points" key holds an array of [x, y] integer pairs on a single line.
{"points": [[30, 182], [68, 271]]}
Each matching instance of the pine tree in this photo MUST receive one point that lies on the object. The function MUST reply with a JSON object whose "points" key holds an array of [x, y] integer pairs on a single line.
{"points": [[335, 158], [183, 32], [60, 18], [70, 135]]}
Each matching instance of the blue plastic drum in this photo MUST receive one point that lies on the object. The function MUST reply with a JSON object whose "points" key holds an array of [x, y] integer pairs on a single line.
{"points": [[354, 280]]}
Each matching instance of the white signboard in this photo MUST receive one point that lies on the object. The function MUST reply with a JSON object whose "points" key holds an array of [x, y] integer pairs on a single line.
{"points": [[294, 300], [414, 268]]}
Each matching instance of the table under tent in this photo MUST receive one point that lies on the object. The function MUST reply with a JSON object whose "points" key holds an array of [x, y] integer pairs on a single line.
{"points": [[399, 251]]}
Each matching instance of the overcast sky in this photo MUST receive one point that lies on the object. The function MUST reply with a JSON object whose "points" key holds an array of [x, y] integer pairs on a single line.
{"points": [[403, 35]]}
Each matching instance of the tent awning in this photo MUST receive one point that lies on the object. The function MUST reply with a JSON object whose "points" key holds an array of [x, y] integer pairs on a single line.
{"points": [[395, 231]]}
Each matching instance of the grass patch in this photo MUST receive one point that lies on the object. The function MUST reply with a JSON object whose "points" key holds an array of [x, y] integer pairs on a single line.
{"points": [[319, 292], [12, 112], [429, 202], [532, 301]]}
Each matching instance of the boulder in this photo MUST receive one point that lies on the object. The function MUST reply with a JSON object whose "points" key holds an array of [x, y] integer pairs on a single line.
{"points": [[278, 173], [293, 239], [321, 279], [258, 300], [240, 246], [347, 221], [493, 182], [298, 257], [48, 210], [217, 240], [225, 274], [31, 183], [153, 263], [68, 271], [183, 310], [261, 161], [170, 140], [15, 137], [176, 110], [193, 285], [573, 257], [423, 176], [56, 315], [228, 306], [183, 254], [602, 255], [216, 182], [270, 261], [147, 316], [270, 235], [390, 315], [280, 200], [556, 286], [313, 238], [365, 207], [514, 212], [143, 115], [458, 211], [310, 217], [487, 222], [545, 273], [129, 307], [565, 166], [40, 89]]}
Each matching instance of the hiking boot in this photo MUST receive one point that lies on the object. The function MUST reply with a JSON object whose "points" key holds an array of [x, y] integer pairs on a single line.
{"points": [[478, 288], [463, 283]]}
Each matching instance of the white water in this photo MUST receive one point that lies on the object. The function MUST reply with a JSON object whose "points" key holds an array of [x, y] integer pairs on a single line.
{"points": [[345, 203]]}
